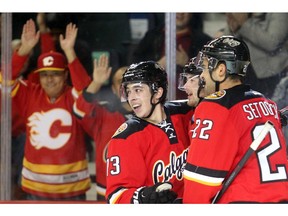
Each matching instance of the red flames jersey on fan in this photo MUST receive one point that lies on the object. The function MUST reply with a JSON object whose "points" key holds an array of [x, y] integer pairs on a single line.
{"points": [[226, 123], [100, 124], [142, 154], [54, 162]]}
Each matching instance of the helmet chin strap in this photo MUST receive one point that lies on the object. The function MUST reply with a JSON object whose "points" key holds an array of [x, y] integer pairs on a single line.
{"points": [[217, 86], [153, 107], [201, 84], [217, 83]]}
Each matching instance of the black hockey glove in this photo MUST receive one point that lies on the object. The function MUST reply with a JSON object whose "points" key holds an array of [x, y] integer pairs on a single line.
{"points": [[178, 201], [158, 193]]}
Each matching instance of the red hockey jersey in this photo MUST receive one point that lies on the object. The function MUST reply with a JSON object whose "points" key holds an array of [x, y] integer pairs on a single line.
{"points": [[54, 163], [226, 123], [18, 125], [142, 154]]}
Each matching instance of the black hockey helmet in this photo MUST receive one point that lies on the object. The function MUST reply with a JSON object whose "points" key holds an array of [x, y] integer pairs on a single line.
{"points": [[148, 72], [189, 71], [190, 68], [229, 49]]}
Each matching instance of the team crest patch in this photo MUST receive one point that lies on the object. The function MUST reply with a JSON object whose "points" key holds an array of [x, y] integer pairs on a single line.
{"points": [[120, 129], [231, 42], [217, 95]]}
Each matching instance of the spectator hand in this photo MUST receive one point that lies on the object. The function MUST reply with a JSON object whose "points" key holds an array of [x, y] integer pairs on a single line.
{"points": [[29, 38], [68, 42], [101, 71], [158, 193], [101, 74]]}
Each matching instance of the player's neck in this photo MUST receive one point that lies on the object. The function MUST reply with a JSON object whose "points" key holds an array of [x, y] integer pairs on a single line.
{"points": [[229, 84], [52, 99], [158, 115]]}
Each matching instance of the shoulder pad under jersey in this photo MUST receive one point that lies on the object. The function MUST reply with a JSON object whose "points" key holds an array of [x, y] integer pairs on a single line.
{"points": [[178, 107], [232, 96], [131, 126]]}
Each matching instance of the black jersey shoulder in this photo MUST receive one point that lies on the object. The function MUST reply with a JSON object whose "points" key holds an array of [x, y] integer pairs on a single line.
{"points": [[131, 126], [232, 96], [177, 107]]}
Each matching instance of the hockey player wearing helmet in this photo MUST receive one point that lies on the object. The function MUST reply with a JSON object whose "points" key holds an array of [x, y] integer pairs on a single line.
{"points": [[226, 123], [227, 51], [155, 78], [189, 82], [147, 153]]}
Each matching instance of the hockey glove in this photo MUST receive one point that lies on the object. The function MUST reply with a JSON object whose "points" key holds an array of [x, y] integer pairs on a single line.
{"points": [[158, 193], [178, 201]]}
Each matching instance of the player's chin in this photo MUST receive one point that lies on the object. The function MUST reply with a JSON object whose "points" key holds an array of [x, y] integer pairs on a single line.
{"points": [[202, 93], [192, 102], [139, 114]]}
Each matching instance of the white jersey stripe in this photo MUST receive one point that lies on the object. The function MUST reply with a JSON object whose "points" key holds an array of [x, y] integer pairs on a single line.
{"points": [[207, 180], [55, 179], [116, 195]]}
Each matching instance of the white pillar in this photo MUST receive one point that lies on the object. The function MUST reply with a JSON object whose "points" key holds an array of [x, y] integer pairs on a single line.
{"points": [[5, 147], [170, 52]]}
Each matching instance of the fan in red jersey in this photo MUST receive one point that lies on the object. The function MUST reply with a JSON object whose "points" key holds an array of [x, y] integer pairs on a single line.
{"points": [[147, 153], [54, 165], [100, 120], [227, 121]]}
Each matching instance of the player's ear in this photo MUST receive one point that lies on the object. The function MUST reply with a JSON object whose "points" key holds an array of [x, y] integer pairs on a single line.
{"points": [[221, 71], [158, 94]]}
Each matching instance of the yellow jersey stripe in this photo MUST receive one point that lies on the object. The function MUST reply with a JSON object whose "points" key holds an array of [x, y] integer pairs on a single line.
{"points": [[57, 168], [54, 188]]}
